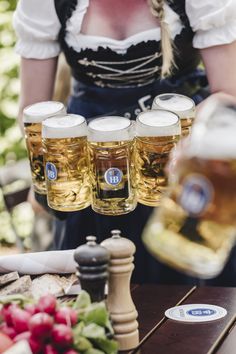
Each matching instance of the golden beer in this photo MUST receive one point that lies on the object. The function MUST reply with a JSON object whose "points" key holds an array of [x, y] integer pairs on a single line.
{"points": [[32, 117], [66, 162], [110, 141], [157, 133], [194, 228], [182, 105]]}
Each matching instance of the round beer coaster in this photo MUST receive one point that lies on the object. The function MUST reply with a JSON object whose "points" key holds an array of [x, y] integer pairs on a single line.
{"points": [[196, 313]]}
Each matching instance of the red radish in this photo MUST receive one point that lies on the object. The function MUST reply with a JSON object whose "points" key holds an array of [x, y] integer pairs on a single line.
{"points": [[47, 303], [49, 349], [62, 335], [21, 336], [5, 342], [66, 315], [71, 351], [7, 313], [40, 325], [31, 309], [35, 346], [9, 331], [20, 320]]}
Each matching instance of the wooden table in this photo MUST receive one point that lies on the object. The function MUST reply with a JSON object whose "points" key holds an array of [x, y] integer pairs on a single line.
{"points": [[159, 335]]}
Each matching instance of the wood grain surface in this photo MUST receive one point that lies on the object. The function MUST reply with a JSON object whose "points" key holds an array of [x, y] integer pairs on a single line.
{"points": [[194, 338]]}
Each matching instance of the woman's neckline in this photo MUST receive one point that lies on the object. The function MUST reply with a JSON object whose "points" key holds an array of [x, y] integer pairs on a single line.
{"points": [[120, 41]]}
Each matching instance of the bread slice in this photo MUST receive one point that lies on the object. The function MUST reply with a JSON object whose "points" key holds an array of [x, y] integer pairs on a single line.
{"points": [[8, 278], [19, 286]]}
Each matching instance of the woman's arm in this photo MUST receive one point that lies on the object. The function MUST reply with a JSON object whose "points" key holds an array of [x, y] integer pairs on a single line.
{"points": [[37, 82], [220, 65]]}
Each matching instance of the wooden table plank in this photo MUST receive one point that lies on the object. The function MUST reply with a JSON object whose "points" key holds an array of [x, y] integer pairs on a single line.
{"points": [[151, 301], [229, 344], [133, 287], [198, 338]]}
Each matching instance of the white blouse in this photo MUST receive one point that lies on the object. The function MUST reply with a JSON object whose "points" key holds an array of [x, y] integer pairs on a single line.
{"points": [[37, 27]]}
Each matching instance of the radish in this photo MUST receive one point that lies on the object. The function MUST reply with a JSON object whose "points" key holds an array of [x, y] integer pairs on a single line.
{"points": [[21, 336], [47, 303], [7, 313], [35, 345], [9, 331], [20, 320], [62, 335], [66, 315], [31, 309], [71, 351], [40, 325], [49, 349]]}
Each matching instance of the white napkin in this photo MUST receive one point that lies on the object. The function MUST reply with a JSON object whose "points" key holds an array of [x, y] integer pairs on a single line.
{"points": [[39, 262]]}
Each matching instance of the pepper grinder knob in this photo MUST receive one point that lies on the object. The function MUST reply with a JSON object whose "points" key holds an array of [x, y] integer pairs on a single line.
{"points": [[119, 301], [92, 265]]}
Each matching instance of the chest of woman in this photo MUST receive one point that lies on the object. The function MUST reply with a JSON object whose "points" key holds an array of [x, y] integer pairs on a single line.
{"points": [[117, 19], [108, 44]]}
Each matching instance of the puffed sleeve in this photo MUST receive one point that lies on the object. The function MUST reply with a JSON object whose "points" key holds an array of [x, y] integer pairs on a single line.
{"points": [[213, 21], [37, 27]]}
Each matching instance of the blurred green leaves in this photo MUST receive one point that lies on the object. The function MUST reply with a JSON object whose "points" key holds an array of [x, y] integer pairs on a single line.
{"points": [[12, 147]]}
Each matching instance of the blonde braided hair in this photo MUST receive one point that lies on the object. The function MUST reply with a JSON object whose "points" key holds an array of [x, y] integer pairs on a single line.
{"points": [[157, 9]]}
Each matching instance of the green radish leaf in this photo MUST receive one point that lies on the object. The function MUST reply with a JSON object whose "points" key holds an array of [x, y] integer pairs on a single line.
{"points": [[83, 300], [92, 330]]}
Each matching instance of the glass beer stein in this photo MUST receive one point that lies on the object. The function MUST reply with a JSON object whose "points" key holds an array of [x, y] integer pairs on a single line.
{"points": [[194, 228], [157, 132], [66, 162], [110, 141], [33, 116], [182, 105]]}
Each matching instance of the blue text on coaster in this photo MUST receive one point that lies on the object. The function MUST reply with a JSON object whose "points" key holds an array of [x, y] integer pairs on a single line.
{"points": [[196, 313]]}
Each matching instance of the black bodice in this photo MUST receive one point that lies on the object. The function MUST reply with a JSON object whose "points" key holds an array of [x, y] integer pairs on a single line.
{"points": [[138, 66]]}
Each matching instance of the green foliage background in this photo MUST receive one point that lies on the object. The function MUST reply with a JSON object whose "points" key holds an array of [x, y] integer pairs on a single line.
{"points": [[12, 145]]}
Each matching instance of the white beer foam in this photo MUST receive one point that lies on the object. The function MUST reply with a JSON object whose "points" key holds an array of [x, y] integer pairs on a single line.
{"points": [[66, 126], [111, 128], [158, 123], [217, 144], [213, 134], [37, 112], [180, 104]]}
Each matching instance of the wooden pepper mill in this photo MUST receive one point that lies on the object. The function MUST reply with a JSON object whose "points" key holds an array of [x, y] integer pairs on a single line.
{"points": [[92, 260], [119, 302]]}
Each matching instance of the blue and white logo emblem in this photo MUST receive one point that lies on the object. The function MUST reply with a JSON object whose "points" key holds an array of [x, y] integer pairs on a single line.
{"points": [[196, 313], [113, 176], [197, 193], [51, 171], [201, 312]]}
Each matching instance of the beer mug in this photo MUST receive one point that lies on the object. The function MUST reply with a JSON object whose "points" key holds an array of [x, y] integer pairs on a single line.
{"points": [[33, 117], [110, 141], [194, 228], [182, 105], [157, 132], [66, 162]]}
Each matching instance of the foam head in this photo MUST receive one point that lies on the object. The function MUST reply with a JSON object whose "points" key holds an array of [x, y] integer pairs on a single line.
{"points": [[158, 123], [179, 104], [111, 128], [213, 136], [64, 126], [38, 112]]}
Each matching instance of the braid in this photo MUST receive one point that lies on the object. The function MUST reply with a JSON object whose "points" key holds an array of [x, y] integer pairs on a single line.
{"points": [[157, 9]]}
